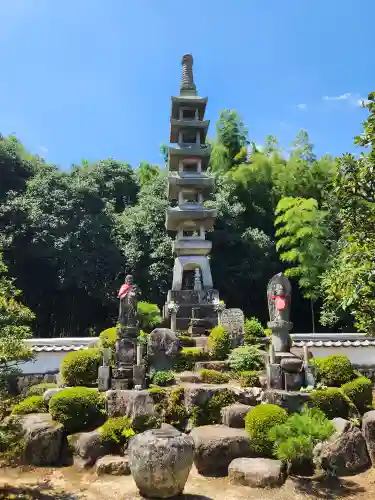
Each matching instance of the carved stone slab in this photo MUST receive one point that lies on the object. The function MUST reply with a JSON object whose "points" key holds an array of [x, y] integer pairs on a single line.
{"points": [[233, 320]]}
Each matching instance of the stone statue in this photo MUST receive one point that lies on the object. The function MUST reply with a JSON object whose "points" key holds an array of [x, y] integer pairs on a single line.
{"points": [[128, 296], [279, 298], [162, 349]]}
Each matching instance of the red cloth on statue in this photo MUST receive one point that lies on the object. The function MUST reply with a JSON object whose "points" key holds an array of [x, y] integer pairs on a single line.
{"points": [[280, 302], [124, 290]]}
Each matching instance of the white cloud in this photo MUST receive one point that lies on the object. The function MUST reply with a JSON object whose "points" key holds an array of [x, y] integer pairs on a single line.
{"points": [[43, 149], [353, 99], [302, 106]]}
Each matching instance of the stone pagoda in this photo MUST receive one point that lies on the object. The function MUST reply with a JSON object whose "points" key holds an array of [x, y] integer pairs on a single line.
{"points": [[192, 302]]}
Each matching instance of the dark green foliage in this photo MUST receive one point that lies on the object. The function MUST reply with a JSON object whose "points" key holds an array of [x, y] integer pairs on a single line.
{"points": [[214, 377], [247, 358], [175, 412], [12, 442], [142, 423], [253, 331], [40, 389], [78, 408], [163, 378], [186, 341], [116, 432], [258, 423], [80, 367], [149, 315], [187, 358], [294, 441], [334, 370], [210, 412], [332, 401], [250, 378], [219, 343], [359, 391], [32, 404]]}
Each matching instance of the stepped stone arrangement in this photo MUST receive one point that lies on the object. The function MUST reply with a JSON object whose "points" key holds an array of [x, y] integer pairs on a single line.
{"points": [[192, 301]]}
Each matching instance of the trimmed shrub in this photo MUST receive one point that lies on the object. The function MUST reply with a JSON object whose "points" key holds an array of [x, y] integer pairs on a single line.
{"points": [[187, 358], [214, 377], [294, 441], [247, 358], [149, 315], [253, 331], [219, 343], [331, 401], [80, 368], [186, 341], [116, 432], [40, 389], [250, 378], [163, 378], [210, 412], [258, 423], [78, 408], [108, 337], [334, 370], [359, 391], [32, 404]]}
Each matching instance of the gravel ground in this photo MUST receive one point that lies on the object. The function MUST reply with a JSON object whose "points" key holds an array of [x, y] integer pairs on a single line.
{"points": [[70, 484]]}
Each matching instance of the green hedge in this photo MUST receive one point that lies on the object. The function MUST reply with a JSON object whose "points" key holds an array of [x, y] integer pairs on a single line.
{"points": [[258, 423], [219, 343], [40, 389], [250, 378], [334, 370], [214, 377], [331, 401], [187, 357], [78, 408], [80, 368], [32, 404], [359, 391]]}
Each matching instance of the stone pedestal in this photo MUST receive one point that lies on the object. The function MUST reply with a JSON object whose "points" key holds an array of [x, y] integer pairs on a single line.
{"points": [[104, 378]]}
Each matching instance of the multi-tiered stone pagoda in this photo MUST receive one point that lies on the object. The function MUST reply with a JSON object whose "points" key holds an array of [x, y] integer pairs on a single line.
{"points": [[192, 302]]}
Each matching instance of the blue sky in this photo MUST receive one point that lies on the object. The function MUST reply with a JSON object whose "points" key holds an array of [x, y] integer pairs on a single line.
{"points": [[93, 78]]}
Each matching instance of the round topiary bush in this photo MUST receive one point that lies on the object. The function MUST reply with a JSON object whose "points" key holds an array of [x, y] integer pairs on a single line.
{"points": [[331, 401], [40, 389], [359, 391], [116, 432], [219, 343], [32, 404], [253, 331], [334, 370], [80, 368], [108, 337], [250, 378], [258, 423], [78, 408], [163, 378], [214, 377], [247, 358]]}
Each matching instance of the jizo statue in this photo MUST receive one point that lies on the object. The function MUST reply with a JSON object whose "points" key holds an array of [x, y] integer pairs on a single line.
{"points": [[279, 294], [128, 295]]}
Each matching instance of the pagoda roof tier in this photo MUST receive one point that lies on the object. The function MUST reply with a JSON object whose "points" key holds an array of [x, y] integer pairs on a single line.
{"points": [[193, 212], [178, 125], [196, 181], [193, 102], [191, 246], [194, 151]]}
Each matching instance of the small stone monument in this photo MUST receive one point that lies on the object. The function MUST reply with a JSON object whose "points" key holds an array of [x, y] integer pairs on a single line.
{"points": [[162, 349], [233, 321], [104, 372]]}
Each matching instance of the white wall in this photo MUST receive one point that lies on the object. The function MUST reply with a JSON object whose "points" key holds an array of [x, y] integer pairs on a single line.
{"points": [[364, 356], [44, 362]]}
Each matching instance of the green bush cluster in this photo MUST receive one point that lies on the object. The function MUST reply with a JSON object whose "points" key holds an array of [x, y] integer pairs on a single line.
{"points": [[31, 404], [108, 337], [294, 440], [359, 391], [163, 378], [258, 423], [80, 368], [40, 389], [78, 408], [331, 401], [250, 378], [149, 315], [214, 377], [334, 370], [187, 358], [210, 412], [12, 442], [219, 343], [253, 331], [246, 358], [175, 412], [116, 432]]}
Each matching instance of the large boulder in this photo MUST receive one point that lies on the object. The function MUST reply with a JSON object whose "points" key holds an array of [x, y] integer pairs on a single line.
{"points": [[200, 394], [114, 465], [345, 452], [87, 447], [189, 377], [368, 429], [216, 446], [129, 403], [44, 439], [162, 348], [257, 472], [291, 401], [160, 461], [220, 366], [234, 415]]}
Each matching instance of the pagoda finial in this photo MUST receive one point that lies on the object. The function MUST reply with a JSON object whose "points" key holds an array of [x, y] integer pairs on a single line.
{"points": [[187, 86]]}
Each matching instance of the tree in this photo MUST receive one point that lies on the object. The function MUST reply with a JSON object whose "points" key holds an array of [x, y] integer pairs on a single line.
{"points": [[231, 132]]}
